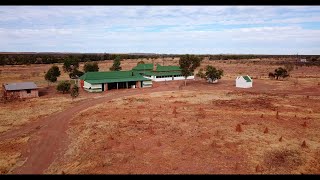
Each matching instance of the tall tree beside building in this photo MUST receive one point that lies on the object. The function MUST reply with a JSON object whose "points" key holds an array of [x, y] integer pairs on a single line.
{"points": [[116, 64], [70, 63], [188, 63], [90, 67]]}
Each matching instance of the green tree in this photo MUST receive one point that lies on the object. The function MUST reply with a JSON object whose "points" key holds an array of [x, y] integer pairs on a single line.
{"points": [[70, 63], [64, 86], [201, 74], [141, 62], [213, 74], [116, 64], [280, 72], [52, 74], [74, 91], [75, 74], [90, 67], [188, 63]]}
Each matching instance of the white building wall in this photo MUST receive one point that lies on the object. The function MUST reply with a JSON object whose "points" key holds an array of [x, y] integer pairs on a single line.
{"points": [[87, 85], [242, 83], [154, 78]]}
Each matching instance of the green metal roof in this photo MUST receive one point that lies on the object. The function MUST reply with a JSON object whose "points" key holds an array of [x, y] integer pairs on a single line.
{"points": [[247, 78], [140, 67], [155, 73], [168, 68], [112, 76]]}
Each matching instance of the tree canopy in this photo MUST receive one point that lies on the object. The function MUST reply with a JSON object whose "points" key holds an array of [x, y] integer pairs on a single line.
{"points": [[75, 74], [279, 72], [212, 74], [188, 63], [70, 63], [90, 67], [116, 64], [52, 74]]}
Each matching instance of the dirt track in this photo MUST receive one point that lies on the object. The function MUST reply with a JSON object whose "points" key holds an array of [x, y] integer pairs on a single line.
{"points": [[51, 137]]}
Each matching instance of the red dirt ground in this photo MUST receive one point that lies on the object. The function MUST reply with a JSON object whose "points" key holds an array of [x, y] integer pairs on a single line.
{"points": [[49, 139]]}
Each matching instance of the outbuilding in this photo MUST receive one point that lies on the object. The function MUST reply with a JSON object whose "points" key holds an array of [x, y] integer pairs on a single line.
{"points": [[244, 82], [156, 72], [104, 81], [20, 90]]}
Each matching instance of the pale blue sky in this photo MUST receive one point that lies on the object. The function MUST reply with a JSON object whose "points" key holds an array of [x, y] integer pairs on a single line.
{"points": [[161, 29]]}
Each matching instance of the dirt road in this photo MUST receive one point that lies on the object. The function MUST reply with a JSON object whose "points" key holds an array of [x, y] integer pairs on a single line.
{"points": [[48, 136]]}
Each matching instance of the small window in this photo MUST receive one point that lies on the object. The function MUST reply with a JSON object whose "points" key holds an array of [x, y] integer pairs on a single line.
{"points": [[28, 91]]}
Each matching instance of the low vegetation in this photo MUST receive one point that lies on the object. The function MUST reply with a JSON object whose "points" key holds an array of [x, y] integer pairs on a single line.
{"points": [[64, 86], [74, 91], [211, 74], [279, 72]]}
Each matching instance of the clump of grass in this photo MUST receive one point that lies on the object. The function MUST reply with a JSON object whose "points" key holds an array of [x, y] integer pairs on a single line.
{"points": [[282, 159], [140, 100], [261, 116]]}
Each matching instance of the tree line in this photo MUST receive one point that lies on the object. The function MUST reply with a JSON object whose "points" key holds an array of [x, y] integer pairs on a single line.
{"points": [[50, 58], [21, 59]]}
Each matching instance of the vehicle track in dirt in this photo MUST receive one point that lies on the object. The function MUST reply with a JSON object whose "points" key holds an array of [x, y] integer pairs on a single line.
{"points": [[48, 137]]}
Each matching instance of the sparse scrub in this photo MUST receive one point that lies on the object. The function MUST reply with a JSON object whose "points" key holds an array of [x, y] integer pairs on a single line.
{"points": [[283, 160], [64, 86]]}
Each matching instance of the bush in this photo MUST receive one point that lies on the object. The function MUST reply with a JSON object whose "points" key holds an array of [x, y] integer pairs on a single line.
{"points": [[64, 86], [52, 74], [74, 91]]}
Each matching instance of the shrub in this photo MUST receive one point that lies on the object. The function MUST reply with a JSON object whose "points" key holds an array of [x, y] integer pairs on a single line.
{"points": [[64, 86]]}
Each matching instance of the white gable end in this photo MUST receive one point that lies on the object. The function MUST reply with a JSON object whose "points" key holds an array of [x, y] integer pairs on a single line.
{"points": [[242, 83]]}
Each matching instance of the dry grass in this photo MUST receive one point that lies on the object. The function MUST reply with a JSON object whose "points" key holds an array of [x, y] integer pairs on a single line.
{"points": [[157, 140], [141, 134], [16, 114], [10, 153]]}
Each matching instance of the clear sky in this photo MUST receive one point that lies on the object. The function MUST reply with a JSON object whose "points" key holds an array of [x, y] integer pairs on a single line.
{"points": [[161, 29]]}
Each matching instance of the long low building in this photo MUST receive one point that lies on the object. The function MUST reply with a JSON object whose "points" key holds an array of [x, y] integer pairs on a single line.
{"points": [[160, 73], [104, 81]]}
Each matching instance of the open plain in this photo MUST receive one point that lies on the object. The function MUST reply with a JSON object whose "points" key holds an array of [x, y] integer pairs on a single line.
{"points": [[201, 128]]}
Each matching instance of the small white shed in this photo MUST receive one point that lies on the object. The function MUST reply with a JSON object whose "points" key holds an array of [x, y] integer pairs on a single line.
{"points": [[244, 82]]}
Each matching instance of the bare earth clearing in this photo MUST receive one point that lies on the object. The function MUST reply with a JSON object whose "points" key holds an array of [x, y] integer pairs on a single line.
{"points": [[164, 129]]}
